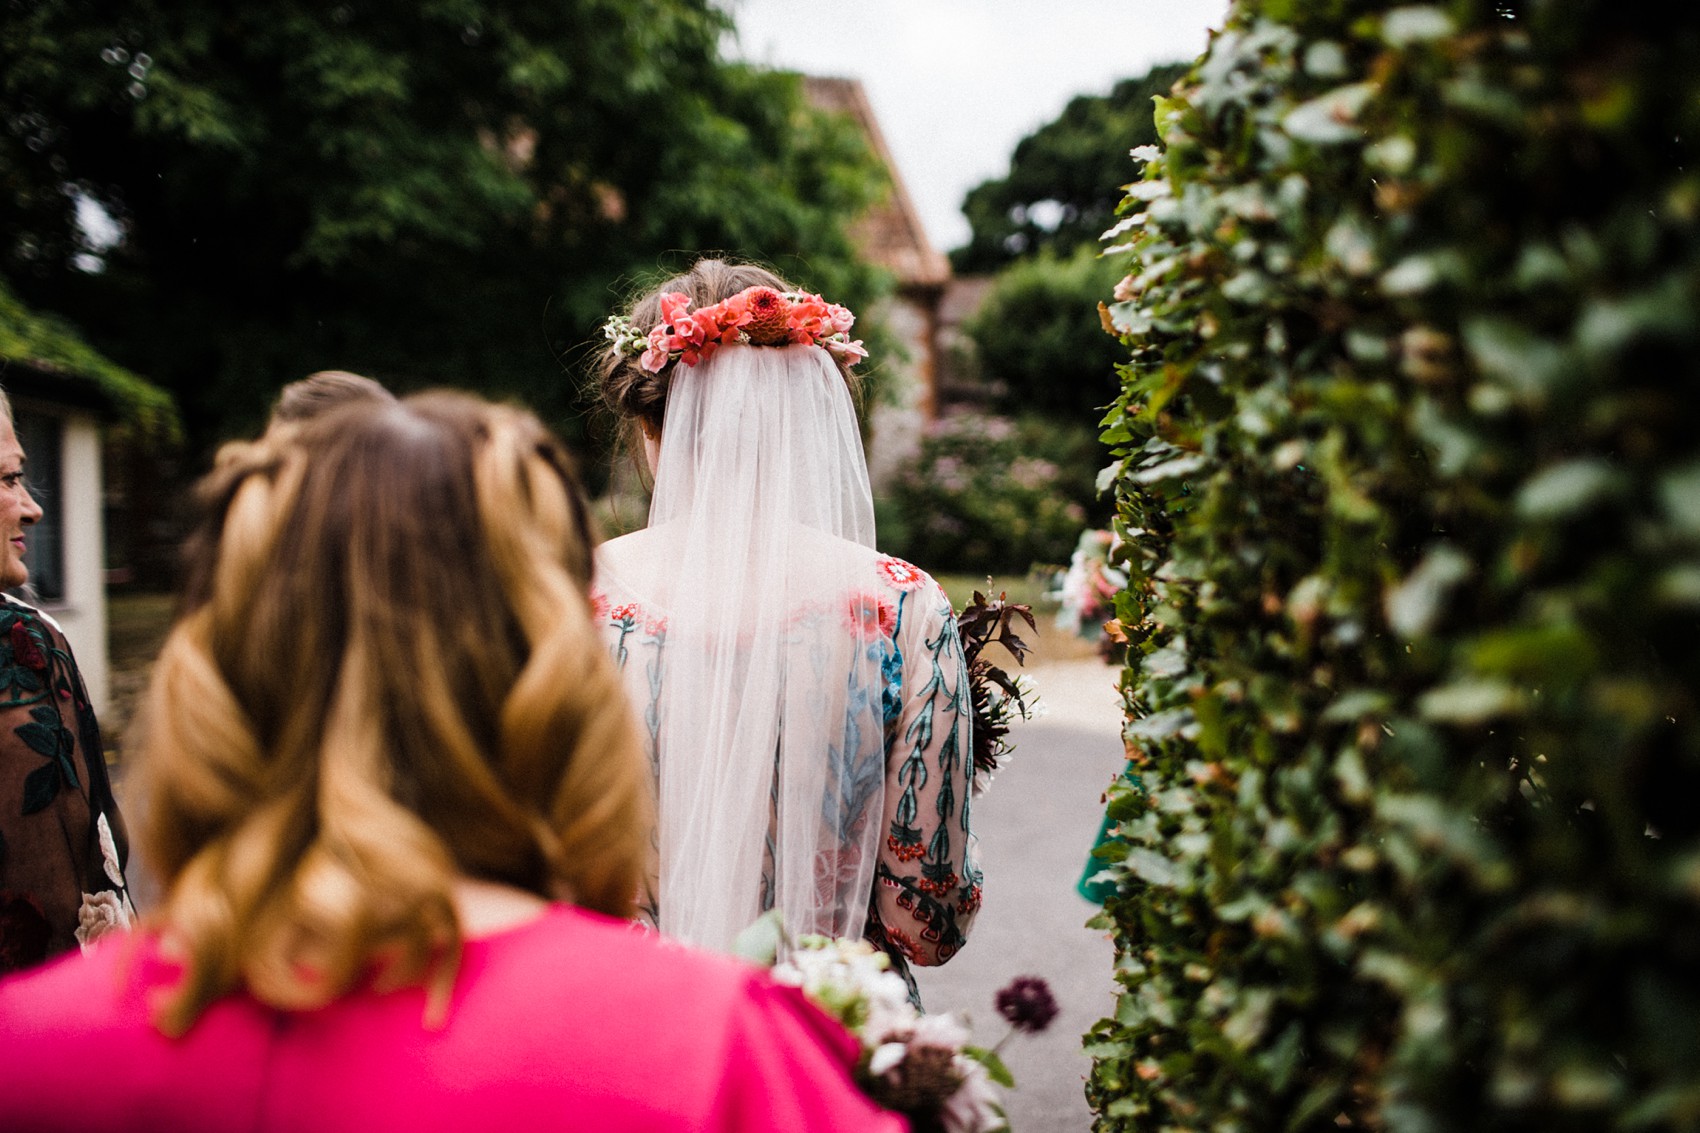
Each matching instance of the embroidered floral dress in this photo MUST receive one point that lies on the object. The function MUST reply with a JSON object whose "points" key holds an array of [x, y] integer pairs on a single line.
{"points": [[62, 844], [927, 884]]}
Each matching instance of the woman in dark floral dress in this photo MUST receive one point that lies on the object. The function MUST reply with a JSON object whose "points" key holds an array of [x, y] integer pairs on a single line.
{"points": [[62, 844]]}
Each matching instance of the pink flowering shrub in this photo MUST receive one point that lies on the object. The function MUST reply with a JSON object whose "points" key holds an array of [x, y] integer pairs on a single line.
{"points": [[994, 494]]}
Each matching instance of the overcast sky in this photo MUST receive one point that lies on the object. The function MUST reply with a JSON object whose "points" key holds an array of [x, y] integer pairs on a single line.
{"points": [[956, 83]]}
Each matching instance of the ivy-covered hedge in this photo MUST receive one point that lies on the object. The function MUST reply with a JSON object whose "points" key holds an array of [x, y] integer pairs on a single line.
{"points": [[1408, 475]]}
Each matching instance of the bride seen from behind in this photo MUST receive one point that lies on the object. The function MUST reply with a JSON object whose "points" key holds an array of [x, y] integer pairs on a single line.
{"points": [[805, 697]]}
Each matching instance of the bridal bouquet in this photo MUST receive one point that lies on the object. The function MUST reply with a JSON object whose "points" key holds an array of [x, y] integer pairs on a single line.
{"points": [[920, 1065]]}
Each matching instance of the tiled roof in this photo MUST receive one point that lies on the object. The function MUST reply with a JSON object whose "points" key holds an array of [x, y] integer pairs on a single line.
{"points": [[890, 233]]}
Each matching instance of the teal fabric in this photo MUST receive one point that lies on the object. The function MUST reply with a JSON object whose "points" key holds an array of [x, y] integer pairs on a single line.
{"points": [[1099, 891], [1092, 884]]}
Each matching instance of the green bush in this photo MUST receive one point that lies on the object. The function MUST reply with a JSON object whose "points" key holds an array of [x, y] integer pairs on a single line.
{"points": [[992, 494], [1408, 482], [1037, 341]]}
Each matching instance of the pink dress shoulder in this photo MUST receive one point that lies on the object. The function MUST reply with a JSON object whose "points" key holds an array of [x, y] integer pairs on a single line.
{"points": [[570, 1022]]}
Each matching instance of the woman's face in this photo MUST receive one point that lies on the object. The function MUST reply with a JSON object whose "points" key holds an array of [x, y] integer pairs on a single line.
{"points": [[18, 509]]}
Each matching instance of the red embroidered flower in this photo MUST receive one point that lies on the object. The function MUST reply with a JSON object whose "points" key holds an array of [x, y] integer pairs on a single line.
{"points": [[900, 574], [25, 649], [939, 887], [655, 626], [905, 851], [627, 613], [970, 902], [870, 617], [901, 943], [598, 605]]}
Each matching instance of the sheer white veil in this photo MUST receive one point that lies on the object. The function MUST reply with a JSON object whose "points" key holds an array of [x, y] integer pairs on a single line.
{"points": [[770, 723]]}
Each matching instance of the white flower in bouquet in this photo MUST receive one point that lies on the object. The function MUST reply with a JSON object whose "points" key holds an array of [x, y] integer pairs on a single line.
{"points": [[852, 980], [1002, 709], [920, 1065], [996, 699], [976, 1103]]}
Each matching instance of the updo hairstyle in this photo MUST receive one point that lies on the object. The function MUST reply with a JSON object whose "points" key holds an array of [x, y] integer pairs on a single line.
{"points": [[384, 676], [323, 391]]}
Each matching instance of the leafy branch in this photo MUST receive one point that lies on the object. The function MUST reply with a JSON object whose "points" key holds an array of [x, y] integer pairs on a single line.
{"points": [[996, 697]]}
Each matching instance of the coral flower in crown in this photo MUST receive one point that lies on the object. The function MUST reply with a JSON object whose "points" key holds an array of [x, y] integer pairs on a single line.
{"points": [[769, 315], [756, 316]]}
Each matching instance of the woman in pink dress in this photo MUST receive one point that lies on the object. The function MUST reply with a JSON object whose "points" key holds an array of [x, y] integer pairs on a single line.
{"points": [[401, 815]]}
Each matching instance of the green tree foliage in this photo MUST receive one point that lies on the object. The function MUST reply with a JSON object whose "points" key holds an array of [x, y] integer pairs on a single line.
{"points": [[451, 191], [1065, 179], [1037, 340], [1408, 477]]}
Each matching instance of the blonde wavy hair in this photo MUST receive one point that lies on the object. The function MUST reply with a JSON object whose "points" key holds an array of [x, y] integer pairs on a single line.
{"points": [[384, 676]]}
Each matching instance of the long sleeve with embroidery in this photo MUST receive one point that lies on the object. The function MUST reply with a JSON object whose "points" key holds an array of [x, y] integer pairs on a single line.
{"points": [[927, 887]]}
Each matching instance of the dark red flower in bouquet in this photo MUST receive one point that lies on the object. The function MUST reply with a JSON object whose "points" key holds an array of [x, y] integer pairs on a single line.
{"points": [[768, 314], [1028, 1004]]}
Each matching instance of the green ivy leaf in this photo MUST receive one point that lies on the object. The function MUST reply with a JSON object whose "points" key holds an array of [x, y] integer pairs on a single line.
{"points": [[1566, 489], [1414, 604], [1470, 702], [1680, 492], [1509, 352]]}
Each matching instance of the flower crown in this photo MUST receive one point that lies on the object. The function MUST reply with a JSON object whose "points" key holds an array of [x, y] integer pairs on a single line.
{"points": [[756, 316]]}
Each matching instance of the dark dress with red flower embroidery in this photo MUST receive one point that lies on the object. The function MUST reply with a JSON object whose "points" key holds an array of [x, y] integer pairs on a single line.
{"points": [[926, 879], [62, 843]]}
